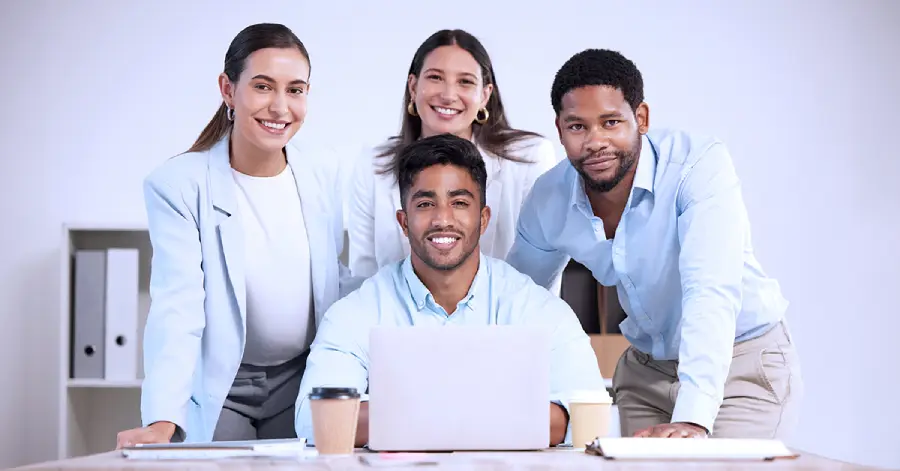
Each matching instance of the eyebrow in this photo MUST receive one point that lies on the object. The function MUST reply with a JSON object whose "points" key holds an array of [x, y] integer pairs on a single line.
{"points": [[432, 69], [452, 194], [270, 79], [570, 118], [461, 192], [423, 194]]}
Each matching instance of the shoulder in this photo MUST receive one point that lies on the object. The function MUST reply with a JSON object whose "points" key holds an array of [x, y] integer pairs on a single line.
{"points": [[682, 148], [363, 305], [530, 302], [557, 180], [534, 149], [182, 172], [372, 291], [371, 161], [517, 287]]}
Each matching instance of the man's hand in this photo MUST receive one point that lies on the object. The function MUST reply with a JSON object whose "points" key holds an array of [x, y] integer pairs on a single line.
{"points": [[157, 432], [559, 422], [673, 430]]}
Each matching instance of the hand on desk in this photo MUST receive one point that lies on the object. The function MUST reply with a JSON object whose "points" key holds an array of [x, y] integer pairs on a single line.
{"points": [[673, 430], [158, 432]]}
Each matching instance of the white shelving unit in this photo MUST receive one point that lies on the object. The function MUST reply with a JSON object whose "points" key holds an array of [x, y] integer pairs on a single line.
{"points": [[92, 411]]}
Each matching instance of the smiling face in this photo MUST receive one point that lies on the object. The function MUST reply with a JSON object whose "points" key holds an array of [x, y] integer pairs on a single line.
{"points": [[449, 91], [269, 98], [601, 134], [443, 217]]}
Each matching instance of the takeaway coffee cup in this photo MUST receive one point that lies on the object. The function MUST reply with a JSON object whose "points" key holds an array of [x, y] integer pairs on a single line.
{"points": [[589, 416], [335, 412]]}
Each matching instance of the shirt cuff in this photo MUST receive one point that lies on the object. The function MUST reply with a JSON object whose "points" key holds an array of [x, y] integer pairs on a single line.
{"points": [[695, 406]]}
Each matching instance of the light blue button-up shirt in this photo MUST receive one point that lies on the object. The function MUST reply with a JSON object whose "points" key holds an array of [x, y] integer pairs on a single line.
{"points": [[395, 296], [681, 259]]}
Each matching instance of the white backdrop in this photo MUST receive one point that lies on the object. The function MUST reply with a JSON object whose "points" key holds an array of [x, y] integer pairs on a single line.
{"points": [[96, 93]]}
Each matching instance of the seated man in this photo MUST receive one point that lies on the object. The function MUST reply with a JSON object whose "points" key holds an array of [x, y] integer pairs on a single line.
{"points": [[444, 281]]}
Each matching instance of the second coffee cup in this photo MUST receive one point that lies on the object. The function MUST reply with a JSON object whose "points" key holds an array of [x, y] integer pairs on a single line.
{"points": [[589, 416], [335, 412]]}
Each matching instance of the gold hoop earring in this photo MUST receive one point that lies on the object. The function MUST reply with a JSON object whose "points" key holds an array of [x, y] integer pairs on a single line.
{"points": [[486, 116], [411, 109]]}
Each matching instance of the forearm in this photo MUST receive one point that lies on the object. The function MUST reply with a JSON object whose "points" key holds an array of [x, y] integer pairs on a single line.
{"points": [[707, 345], [559, 423], [362, 425]]}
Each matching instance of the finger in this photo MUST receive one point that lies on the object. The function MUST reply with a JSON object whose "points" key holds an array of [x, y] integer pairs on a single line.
{"points": [[666, 432], [643, 433]]}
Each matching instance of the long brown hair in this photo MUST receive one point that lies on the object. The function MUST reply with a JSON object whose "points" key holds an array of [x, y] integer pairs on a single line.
{"points": [[248, 41], [495, 136]]}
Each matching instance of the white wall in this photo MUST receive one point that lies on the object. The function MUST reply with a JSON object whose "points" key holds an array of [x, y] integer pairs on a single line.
{"points": [[96, 93]]}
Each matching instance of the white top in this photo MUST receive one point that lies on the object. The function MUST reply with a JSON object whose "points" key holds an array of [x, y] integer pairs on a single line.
{"points": [[375, 236], [280, 320]]}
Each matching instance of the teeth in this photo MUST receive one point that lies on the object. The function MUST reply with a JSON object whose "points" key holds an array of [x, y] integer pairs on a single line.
{"points": [[443, 240], [273, 125], [446, 111]]}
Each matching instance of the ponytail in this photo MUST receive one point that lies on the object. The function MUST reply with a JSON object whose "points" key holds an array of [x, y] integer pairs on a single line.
{"points": [[217, 128]]}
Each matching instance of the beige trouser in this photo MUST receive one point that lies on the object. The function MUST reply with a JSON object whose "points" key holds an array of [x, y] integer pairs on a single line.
{"points": [[762, 392]]}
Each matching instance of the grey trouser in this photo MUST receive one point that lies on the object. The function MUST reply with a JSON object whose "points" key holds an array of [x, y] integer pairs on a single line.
{"points": [[260, 404], [762, 391]]}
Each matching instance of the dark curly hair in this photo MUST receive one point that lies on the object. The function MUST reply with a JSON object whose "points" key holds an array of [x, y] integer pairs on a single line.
{"points": [[598, 67]]}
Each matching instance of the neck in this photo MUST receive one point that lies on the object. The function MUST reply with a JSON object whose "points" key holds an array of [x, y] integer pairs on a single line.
{"points": [[613, 201], [448, 287], [251, 160]]}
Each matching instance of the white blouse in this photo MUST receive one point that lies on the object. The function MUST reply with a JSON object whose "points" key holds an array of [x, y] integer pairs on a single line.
{"points": [[375, 236]]}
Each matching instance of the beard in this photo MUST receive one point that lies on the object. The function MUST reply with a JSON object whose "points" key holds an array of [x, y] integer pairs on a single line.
{"points": [[433, 259], [626, 161]]}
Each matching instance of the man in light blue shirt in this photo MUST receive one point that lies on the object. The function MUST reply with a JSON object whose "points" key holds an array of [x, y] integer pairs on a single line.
{"points": [[659, 214], [444, 281]]}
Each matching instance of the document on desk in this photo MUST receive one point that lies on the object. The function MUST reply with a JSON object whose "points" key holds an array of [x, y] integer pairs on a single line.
{"points": [[691, 449], [274, 448]]}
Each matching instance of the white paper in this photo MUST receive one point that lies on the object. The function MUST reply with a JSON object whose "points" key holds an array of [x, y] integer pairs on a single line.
{"points": [[280, 448], [693, 448]]}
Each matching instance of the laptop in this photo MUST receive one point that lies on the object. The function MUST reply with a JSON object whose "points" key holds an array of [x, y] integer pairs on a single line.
{"points": [[484, 388]]}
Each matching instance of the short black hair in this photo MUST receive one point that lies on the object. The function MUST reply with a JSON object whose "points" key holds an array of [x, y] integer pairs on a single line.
{"points": [[440, 149], [598, 67]]}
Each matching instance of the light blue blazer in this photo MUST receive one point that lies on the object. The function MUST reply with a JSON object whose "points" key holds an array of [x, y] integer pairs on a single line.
{"points": [[196, 329]]}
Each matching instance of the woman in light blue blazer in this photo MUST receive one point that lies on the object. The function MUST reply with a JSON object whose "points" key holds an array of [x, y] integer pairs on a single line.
{"points": [[246, 237]]}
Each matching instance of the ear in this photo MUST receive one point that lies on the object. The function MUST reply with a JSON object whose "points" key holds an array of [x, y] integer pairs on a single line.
{"points": [[642, 114], [486, 94], [411, 82], [558, 129], [485, 218], [401, 219], [226, 88]]}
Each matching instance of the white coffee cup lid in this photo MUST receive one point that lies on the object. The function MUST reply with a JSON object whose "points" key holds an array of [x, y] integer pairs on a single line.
{"points": [[590, 396]]}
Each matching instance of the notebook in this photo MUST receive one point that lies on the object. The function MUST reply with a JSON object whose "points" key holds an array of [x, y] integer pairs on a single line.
{"points": [[289, 447], [689, 449]]}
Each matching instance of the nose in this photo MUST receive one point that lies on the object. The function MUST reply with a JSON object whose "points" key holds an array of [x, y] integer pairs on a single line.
{"points": [[441, 217], [448, 92], [596, 141], [278, 105]]}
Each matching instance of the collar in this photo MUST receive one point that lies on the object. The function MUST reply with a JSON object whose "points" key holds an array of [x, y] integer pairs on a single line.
{"points": [[420, 294], [645, 174]]}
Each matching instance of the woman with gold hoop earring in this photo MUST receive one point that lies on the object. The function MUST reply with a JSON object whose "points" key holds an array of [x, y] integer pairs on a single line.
{"points": [[451, 88]]}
